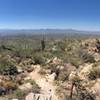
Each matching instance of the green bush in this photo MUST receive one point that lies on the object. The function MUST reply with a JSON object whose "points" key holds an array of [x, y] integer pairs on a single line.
{"points": [[19, 94], [94, 73], [7, 68], [86, 57], [38, 59]]}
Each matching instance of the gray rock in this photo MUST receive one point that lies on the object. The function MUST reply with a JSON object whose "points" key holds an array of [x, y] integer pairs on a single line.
{"points": [[52, 77], [32, 96]]}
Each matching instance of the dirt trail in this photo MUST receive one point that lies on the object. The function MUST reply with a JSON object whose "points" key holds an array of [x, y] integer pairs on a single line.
{"points": [[47, 87]]}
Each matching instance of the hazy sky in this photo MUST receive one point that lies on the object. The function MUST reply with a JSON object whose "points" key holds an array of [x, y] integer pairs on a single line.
{"points": [[36, 14]]}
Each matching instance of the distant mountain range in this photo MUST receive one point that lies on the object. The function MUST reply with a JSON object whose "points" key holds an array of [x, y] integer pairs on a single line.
{"points": [[7, 32]]}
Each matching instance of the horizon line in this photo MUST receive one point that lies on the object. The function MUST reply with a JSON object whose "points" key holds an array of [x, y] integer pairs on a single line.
{"points": [[50, 29]]}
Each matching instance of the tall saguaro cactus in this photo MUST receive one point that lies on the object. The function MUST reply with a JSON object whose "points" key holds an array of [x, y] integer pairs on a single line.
{"points": [[43, 44]]}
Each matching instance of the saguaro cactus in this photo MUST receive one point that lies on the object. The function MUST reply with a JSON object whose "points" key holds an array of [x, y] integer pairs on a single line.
{"points": [[43, 44]]}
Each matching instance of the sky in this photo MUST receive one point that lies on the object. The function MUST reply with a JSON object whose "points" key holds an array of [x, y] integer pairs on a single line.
{"points": [[51, 14]]}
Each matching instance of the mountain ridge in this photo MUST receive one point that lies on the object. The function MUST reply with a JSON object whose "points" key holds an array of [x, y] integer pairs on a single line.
{"points": [[4, 32]]}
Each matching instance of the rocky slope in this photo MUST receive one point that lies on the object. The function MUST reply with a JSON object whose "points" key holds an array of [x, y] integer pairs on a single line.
{"points": [[67, 69]]}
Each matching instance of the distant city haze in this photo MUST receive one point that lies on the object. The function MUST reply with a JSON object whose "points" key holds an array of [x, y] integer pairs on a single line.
{"points": [[50, 14]]}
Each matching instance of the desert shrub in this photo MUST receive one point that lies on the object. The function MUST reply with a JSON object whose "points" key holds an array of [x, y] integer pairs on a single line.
{"points": [[23, 53], [96, 64], [76, 61], [94, 73], [82, 92], [63, 75], [7, 68], [47, 54], [10, 48], [9, 86], [42, 71], [84, 95], [53, 68], [35, 87], [62, 45], [19, 94], [38, 59], [58, 53], [87, 57]]}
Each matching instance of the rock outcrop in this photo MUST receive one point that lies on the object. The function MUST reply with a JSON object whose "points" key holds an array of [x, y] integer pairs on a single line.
{"points": [[32, 96]]}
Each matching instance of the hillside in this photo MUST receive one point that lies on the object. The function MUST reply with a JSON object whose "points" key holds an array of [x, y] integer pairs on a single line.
{"points": [[34, 68]]}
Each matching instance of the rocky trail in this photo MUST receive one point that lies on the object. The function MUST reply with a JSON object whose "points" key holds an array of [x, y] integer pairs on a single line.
{"points": [[47, 86]]}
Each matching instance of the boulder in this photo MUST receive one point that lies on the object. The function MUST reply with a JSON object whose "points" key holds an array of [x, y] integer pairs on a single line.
{"points": [[52, 76], [36, 68], [25, 87], [48, 71], [20, 70], [2, 91], [30, 96]]}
